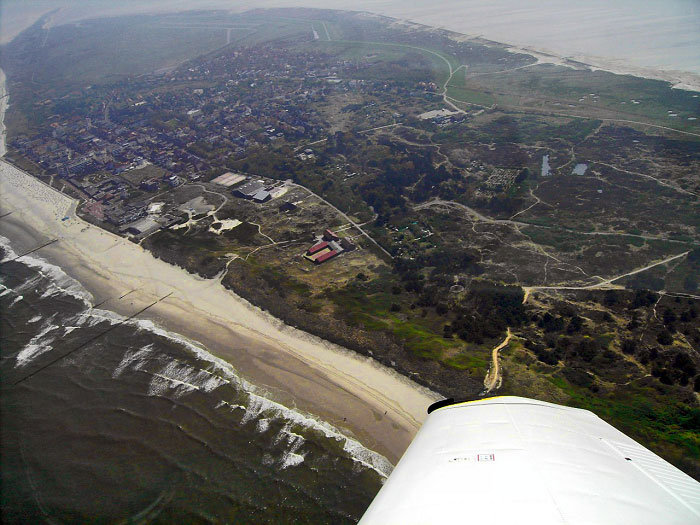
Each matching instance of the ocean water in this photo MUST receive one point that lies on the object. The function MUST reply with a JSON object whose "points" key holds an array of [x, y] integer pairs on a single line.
{"points": [[139, 424]]}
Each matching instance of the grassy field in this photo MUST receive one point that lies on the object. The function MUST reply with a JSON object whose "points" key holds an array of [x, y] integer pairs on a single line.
{"points": [[630, 97], [470, 96], [436, 62], [101, 50]]}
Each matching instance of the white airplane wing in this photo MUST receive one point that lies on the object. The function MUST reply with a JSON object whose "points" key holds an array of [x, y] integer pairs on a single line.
{"points": [[514, 460]]}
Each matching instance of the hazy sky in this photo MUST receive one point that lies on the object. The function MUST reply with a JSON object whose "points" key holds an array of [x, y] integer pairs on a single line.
{"points": [[662, 34]]}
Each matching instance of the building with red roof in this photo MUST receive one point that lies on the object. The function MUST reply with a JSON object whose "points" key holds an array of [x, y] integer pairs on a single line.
{"points": [[329, 235], [324, 257], [317, 247]]}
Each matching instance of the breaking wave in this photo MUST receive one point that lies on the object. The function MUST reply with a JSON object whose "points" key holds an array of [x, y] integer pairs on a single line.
{"points": [[38, 345], [59, 281], [177, 378]]}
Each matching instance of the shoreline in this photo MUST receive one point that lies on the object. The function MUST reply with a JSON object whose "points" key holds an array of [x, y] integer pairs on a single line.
{"points": [[678, 78], [684, 80], [362, 398]]}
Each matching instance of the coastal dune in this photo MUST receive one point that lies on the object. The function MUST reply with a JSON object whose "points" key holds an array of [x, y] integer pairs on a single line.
{"points": [[366, 400]]}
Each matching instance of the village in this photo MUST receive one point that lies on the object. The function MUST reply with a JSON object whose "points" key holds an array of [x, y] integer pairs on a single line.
{"points": [[139, 143]]}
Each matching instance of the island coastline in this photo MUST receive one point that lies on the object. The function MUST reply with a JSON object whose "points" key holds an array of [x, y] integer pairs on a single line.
{"points": [[367, 400]]}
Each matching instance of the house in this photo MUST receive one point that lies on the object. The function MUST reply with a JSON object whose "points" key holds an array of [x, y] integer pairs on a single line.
{"points": [[322, 251], [330, 235], [247, 191], [150, 184], [325, 256], [142, 227], [172, 180], [262, 196], [317, 247]]}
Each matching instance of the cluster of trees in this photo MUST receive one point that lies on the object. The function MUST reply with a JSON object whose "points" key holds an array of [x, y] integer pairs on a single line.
{"points": [[571, 349], [557, 323], [486, 311], [385, 193], [429, 185], [445, 261], [670, 364], [676, 368]]}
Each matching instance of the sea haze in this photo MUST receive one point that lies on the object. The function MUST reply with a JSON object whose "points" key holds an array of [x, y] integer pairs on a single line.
{"points": [[142, 424], [656, 34]]}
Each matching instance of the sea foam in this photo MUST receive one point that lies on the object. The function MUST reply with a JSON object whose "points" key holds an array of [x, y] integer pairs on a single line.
{"points": [[178, 377], [38, 345], [59, 281]]}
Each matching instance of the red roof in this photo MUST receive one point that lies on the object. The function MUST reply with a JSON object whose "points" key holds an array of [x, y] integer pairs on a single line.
{"points": [[330, 235], [317, 247], [325, 256]]}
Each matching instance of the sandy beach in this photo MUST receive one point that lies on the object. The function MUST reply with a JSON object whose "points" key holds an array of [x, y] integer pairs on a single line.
{"points": [[370, 402], [4, 102], [379, 407]]}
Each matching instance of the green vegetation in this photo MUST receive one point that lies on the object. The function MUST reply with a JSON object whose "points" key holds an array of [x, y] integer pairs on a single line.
{"points": [[629, 97], [470, 96], [459, 201]]}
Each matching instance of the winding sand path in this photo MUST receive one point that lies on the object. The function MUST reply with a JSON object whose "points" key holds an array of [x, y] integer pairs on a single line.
{"points": [[605, 282], [494, 377]]}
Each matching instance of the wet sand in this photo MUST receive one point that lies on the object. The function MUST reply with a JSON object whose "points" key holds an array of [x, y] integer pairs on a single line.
{"points": [[372, 403]]}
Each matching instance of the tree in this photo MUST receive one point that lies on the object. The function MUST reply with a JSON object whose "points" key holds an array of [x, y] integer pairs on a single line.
{"points": [[643, 298], [664, 337], [587, 349], [685, 364], [669, 317], [575, 324], [629, 346], [611, 298]]}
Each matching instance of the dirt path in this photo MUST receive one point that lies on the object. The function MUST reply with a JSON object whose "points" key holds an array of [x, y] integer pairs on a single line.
{"points": [[604, 283], [479, 217], [494, 377], [644, 175], [345, 216], [222, 195]]}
